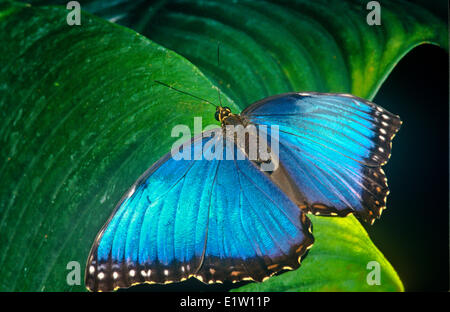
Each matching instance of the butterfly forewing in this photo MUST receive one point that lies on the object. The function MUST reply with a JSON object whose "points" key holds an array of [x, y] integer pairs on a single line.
{"points": [[213, 218], [333, 147]]}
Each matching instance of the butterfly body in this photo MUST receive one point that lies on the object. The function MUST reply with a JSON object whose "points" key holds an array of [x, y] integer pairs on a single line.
{"points": [[218, 219], [279, 176]]}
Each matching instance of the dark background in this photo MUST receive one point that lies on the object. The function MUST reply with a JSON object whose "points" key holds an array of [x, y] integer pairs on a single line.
{"points": [[413, 232]]}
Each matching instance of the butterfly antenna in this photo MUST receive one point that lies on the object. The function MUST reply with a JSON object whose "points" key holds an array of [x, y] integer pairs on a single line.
{"points": [[184, 92], [218, 63]]}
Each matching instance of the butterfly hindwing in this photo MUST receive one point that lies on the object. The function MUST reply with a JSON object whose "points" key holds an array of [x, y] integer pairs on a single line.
{"points": [[215, 219], [255, 230], [333, 146]]}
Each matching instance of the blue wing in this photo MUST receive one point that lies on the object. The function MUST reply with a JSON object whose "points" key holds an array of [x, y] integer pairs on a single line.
{"points": [[212, 219], [333, 147]]}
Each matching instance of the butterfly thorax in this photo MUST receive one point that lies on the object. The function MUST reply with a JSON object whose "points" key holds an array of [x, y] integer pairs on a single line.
{"points": [[239, 124], [226, 117], [239, 130]]}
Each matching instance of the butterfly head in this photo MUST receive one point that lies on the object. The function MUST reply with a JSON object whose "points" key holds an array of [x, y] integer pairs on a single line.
{"points": [[222, 113]]}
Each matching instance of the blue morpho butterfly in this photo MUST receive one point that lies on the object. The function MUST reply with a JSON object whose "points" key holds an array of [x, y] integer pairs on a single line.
{"points": [[218, 219]]}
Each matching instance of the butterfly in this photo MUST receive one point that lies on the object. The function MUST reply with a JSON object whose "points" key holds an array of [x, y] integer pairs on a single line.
{"points": [[225, 219]]}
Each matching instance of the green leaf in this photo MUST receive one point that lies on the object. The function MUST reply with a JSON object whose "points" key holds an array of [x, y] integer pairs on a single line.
{"points": [[271, 47], [279, 46], [338, 261], [82, 117]]}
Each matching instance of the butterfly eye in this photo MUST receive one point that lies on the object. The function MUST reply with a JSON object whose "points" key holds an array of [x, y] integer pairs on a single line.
{"points": [[216, 115]]}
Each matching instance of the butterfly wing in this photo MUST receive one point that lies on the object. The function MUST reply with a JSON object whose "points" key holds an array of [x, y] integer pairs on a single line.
{"points": [[333, 147], [211, 218]]}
